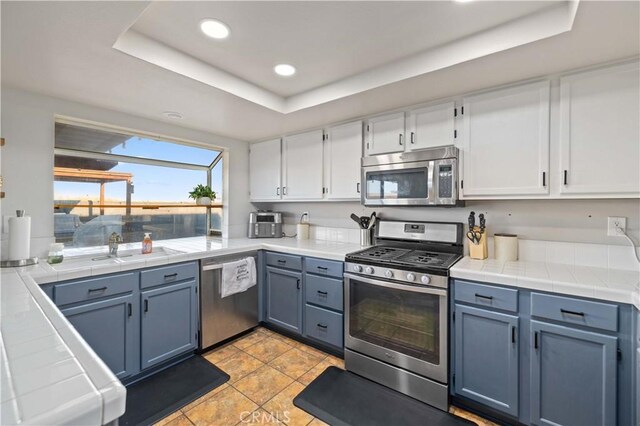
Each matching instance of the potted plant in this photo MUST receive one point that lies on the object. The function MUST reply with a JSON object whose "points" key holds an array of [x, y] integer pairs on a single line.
{"points": [[203, 194]]}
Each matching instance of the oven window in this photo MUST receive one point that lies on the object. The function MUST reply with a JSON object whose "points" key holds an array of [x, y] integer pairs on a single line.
{"points": [[398, 184], [402, 321]]}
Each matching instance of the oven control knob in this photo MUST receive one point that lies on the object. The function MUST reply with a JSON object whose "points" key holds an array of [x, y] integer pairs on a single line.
{"points": [[426, 279], [357, 268], [368, 270], [388, 273], [411, 276]]}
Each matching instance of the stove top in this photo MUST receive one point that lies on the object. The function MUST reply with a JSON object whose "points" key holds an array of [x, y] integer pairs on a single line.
{"points": [[404, 258]]}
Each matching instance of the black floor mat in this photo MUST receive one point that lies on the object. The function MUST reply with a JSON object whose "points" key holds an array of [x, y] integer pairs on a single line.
{"points": [[341, 398], [154, 398]]}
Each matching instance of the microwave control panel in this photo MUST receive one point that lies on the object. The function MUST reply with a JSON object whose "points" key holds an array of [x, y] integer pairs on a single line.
{"points": [[445, 181]]}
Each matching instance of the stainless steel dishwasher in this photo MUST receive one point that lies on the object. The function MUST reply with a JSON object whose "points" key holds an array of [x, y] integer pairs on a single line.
{"points": [[223, 318]]}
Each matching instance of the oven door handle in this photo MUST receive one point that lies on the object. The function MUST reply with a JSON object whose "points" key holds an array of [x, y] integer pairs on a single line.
{"points": [[397, 286]]}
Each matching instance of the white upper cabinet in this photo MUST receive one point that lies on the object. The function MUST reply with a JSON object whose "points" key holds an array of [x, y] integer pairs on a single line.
{"points": [[302, 166], [264, 170], [505, 143], [599, 132], [431, 126], [385, 134], [343, 150]]}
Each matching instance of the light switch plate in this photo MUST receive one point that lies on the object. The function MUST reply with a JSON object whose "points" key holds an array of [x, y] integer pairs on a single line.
{"points": [[614, 222]]}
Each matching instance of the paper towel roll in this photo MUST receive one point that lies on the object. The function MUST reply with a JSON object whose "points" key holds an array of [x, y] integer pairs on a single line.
{"points": [[19, 237], [302, 231]]}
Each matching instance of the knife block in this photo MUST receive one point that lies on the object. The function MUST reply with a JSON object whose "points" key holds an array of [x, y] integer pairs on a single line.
{"points": [[480, 250]]}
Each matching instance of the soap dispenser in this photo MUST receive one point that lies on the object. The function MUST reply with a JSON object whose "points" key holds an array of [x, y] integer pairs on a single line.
{"points": [[147, 244]]}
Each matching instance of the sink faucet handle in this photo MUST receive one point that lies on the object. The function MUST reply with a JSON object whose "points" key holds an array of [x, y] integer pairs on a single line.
{"points": [[115, 238]]}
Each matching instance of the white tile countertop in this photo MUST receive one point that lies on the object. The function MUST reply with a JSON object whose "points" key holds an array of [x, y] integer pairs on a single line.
{"points": [[616, 285], [49, 375]]}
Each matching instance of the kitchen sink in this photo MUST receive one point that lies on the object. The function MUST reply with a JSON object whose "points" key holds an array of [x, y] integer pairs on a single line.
{"points": [[135, 254]]}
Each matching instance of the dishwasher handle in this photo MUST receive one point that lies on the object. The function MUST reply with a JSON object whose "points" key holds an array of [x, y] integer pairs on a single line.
{"points": [[212, 267]]}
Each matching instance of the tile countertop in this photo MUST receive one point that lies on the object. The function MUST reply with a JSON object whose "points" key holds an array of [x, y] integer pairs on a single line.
{"points": [[49, 375], [614, 285]]}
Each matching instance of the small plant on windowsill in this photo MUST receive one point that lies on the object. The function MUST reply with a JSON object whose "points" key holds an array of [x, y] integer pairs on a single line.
{"points": [[203, 194]]}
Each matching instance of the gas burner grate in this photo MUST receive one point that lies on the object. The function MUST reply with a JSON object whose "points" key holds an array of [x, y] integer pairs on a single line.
{"points": [[425, 258], [381, 253]]}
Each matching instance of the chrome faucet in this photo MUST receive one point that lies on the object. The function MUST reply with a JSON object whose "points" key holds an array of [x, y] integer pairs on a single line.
{"points": [[114, 240]]}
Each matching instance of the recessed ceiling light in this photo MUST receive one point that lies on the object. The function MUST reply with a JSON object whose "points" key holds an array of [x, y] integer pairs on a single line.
{"points": [[172, 115], [214, 28], [284, 70], [463, 1]]}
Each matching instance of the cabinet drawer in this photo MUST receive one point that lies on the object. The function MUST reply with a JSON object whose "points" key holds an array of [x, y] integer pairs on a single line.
{"points": [[323, 325], [284, 261], [167, 275], [575, 311], [94, 288], [324, 267], [326, 292], [486, 295]]}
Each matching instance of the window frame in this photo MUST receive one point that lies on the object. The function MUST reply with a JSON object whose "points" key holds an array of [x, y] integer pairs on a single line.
{"points": [[141, 160]]}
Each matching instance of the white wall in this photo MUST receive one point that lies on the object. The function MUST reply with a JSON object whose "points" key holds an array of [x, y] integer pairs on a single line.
{"points": [[27, 160], [551, 220]]}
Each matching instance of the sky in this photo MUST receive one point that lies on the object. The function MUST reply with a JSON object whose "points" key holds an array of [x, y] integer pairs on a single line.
{"points": [[151, 183]]}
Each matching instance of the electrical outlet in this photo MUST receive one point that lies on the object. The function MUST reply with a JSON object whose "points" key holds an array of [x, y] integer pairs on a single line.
{"points": [[613, 223], [305, 217]]}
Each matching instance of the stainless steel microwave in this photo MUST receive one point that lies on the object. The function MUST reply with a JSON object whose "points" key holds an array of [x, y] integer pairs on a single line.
{"points": [[421, 178]]}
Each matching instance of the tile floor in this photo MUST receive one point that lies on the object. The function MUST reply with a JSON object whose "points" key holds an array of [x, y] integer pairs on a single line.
{"points": [[267, 371]]}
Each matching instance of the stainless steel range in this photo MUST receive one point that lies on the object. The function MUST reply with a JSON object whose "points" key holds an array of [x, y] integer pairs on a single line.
{"points": [[396, 302]]}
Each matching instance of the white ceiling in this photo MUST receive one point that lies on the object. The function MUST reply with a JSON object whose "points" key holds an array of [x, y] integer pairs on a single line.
{"points": [[64, 49]]}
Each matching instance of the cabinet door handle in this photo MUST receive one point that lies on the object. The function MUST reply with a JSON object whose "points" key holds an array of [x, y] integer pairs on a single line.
{"points": [[323, 268], [167, 276], [566, 312], [513, 334], [96, 290], [277, 190], [484, 297], [323, 293], [284, 190], [322, 326], [400, 138], [565, 177], [129, 307], [413, 137], [535, 340], [544, 178], [298, 283], [146, 305], [358, 187]]}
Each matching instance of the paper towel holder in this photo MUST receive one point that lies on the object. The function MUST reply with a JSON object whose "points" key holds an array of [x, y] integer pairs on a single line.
{"points": [[22, 262]]}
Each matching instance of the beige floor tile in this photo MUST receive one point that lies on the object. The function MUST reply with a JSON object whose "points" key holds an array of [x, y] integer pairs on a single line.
{"points": [[295, 363], [228, 407], [266, 331], [335, 361], [171, 417], [267, 349], [180, 420], [311, 375], [282, 406], [221, 353], [260, 417], [317, 422], [204, 397], [263, 384], [311, 350], [239, 365], [471, 417], [248, 340]]}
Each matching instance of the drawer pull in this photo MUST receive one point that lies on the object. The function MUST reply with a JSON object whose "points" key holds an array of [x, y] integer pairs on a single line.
{"points": [[323, 326], [282, 261], [323, 293], [95, 290], [481, 296], [566, 312], [167, 276], [323, 268]]}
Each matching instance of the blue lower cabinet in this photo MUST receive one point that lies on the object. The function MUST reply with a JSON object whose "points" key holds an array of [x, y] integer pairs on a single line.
{"points": [[573, 376], [284, 299], [109, 327], [486, 358], [324, 325], [169, 322]]}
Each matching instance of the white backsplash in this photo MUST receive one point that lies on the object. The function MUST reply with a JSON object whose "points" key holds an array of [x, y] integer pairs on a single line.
{"points": [[575, 254]]}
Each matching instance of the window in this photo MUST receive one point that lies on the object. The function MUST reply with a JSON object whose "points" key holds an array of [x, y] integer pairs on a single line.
{"points": [[110, 181]]}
